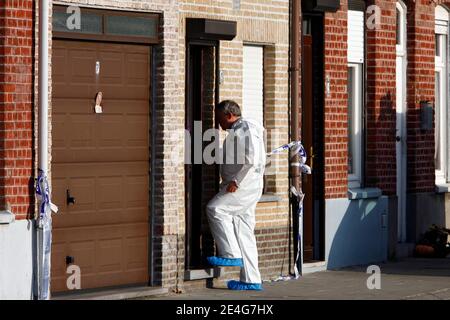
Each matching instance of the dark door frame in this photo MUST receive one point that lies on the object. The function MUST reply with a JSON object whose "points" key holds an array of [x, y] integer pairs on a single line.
{"points": [[189, 111], [317, 131]]}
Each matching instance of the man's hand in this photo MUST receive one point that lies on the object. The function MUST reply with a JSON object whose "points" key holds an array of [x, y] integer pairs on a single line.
{"points": [[232, 187]]}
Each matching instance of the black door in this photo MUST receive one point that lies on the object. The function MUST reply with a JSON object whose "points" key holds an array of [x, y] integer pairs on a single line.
{"points": [[313, 135], [201, 178]]}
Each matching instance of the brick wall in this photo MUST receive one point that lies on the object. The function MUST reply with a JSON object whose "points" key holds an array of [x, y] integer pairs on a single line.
{"points": [[381, 99], [16, 114], [335, 30], [168, 115], [264, 23], [421, 55]]}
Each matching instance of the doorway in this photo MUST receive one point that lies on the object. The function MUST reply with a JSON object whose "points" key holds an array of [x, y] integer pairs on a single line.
{"points": [[202, 94], [201, 178], [312, 136]]}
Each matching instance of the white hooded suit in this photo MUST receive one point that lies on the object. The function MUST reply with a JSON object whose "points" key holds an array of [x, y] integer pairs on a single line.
{"points": [[232, 215]]}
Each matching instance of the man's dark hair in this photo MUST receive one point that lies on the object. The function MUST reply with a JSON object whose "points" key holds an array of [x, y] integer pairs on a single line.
{"points": [[229, 107]]}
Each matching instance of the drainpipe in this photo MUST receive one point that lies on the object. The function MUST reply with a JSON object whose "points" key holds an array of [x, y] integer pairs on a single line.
{"points": [[295, 106], [42, 136]]}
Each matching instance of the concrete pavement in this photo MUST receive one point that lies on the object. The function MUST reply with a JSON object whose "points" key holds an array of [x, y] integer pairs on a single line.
{"points": [[409, 279]]}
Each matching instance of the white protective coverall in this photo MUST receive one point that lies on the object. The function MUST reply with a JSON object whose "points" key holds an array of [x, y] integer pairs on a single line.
{"points": [[232, 215]]}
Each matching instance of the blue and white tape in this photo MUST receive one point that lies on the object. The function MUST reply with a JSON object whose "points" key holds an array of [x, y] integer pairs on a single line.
{"points": [[45, 224], [43, 195], [296, 148]]}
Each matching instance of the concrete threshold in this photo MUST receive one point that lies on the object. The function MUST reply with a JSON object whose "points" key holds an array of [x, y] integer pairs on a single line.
{"points": [[313, 267], [113, 294]]}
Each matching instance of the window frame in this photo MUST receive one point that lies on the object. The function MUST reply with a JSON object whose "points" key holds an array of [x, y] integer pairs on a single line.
{"points": [[441, 97], [401, 47], [104, 35], [355, 179], [441, 111], [264, 116]]}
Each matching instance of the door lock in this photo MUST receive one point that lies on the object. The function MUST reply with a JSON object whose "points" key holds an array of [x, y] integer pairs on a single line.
{"points": [[398, 138], [69, 199], [70, 260]]}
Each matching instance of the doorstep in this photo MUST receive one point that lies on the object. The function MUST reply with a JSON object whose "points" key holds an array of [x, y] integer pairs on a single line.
{"points": [[113, 294], [313, 267], [202, 274]]}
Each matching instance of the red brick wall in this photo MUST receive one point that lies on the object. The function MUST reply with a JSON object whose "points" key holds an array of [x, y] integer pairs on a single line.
{"points": [[336, 104], [381, 99], [16, 111], [421, 174]]}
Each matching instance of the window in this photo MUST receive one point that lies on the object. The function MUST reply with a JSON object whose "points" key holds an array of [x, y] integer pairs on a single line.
{"points": [[441, 96], [253, 89], [253, 84], [355, 91], [401, 27], [104, 25]]}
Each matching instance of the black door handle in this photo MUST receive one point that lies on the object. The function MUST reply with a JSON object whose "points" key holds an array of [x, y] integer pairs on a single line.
{"points": [[70, 200]]}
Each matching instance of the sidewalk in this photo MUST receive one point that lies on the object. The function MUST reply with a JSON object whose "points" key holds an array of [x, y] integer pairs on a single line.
{"points": [[410, 279]]}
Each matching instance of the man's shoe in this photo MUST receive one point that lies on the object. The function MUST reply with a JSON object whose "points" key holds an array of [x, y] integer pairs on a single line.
{"points": [[225, 262], [241, 286]]}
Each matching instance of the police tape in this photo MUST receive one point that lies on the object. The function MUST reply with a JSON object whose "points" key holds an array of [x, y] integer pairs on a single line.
{"points": [[43, 195], [45, 225], [295, 148]]}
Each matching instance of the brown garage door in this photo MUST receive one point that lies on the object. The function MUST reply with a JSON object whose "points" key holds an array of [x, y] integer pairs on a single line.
{"points": [[102, 161]]}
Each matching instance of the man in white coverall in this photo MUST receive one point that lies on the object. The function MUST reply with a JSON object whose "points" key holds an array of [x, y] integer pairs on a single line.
{"points": [[231, 213]]}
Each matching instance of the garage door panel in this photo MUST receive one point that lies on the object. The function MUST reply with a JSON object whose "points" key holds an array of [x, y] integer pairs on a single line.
{"points": [[110, 193], [104, 193], [110, 255], [103, 253], [103, 160], [82, 66], [59, 61], [124, 71], [111, 132], [112, 69], [117, 137], [136, 72], [136, 248], [124, 92], [85, 106], [137, 192], [135, 125]]}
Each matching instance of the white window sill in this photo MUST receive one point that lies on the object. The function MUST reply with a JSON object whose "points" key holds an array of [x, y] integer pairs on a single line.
{"points": [[6, 217], [443, 188], [364, 193], [269, 197]]}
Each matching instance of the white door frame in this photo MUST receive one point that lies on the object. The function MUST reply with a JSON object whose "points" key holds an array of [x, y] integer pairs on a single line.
{"points": [[441, 103], [401, 133]]}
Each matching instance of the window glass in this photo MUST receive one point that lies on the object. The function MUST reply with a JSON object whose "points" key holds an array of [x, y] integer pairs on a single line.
{"points": [[399, 17], [437, 122], [131, 26], [350, 131], [88, 22], [438, 45]]}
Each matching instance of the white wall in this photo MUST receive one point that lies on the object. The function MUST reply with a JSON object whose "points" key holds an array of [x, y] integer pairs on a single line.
{"points": [[16, 260], [356, 232]]}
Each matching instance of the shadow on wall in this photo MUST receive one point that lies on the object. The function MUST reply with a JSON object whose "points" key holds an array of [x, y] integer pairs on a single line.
{"points": [[356, 232]]}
